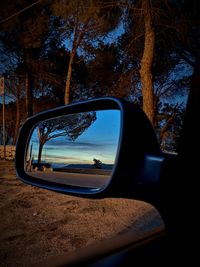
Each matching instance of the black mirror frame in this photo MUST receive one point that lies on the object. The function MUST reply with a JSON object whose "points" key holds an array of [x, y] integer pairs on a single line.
{"points": [[136, 136]]}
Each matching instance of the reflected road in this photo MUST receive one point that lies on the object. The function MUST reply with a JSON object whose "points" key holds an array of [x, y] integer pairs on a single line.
{"points": [[74, 179]]}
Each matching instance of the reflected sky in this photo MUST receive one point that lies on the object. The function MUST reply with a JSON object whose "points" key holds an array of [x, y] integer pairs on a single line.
{"points": [[99, 140]]}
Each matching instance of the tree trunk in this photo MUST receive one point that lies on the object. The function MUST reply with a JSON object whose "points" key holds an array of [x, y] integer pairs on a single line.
{"points": [[29, 95], [17, 124], [146, 63], [69, 75], [40, 153]]}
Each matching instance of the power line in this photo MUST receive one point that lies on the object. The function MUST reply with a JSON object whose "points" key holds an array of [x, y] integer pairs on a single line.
{"points": [[20, 11]]}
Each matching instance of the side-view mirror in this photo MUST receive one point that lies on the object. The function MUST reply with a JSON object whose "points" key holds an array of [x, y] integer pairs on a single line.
{"points": [[92, 148]]}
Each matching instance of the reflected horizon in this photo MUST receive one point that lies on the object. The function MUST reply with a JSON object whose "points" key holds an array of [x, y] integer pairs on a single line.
{"points": [[97, 141]]}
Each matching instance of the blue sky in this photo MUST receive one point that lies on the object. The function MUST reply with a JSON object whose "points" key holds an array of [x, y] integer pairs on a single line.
{"points": [[110, 38], [99, 141]]}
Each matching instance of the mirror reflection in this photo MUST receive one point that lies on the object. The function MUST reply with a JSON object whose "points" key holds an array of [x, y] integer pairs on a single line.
{"points": [[76, 149]]}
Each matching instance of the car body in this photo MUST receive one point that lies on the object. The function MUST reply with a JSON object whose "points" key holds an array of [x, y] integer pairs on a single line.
{"points": [[167, 182]]}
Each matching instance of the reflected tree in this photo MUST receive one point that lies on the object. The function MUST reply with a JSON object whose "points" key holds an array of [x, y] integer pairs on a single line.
{"points": [[71, 126], [97, 164]]}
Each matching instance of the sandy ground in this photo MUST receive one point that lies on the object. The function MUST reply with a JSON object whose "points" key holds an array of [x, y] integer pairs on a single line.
{"points": [[36, 224]]}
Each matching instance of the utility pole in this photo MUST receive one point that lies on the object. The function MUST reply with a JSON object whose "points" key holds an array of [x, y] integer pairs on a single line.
{"points": [[2, 92]]}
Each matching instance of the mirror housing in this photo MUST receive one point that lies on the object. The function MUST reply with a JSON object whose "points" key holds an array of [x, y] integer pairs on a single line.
{"points": [[138, 156]]}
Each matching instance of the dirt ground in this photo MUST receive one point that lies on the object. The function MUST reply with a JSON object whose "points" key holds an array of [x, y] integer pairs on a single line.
{"points": [[36, 224]]}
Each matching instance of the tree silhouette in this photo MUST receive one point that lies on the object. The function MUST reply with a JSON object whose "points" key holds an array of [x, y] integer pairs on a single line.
{"points": [[83, 22], [97, 164], [71, 126]]}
